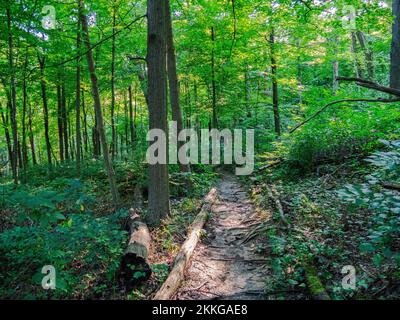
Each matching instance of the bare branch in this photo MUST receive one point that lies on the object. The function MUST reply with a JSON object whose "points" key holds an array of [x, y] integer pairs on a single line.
{"points": [[340, 101]]}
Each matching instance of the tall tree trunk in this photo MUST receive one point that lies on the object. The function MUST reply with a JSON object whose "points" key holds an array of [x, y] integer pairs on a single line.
{"points": [[13, 110], [60, 124], [85, 126], [31, 137], [7, 134], [156, 59], [97, 104], [173, 81], [395, 51], [65, 113], [277, 122], [213, 82], [131, 119], [45, 109], [368, 55], [114, 136], [24, 104], [357, 64], [78, 101]]}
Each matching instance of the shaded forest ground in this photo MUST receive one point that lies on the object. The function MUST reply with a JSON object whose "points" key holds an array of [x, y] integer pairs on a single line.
{"points": [[86, 242]]}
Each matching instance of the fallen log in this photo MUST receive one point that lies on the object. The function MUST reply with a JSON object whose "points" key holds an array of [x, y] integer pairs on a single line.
{"points": [[171, 285], [314, 284], [391, 185], [135, 267]]}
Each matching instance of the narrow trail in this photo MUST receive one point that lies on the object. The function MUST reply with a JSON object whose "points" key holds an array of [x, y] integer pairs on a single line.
{"points": [[222, 266]]}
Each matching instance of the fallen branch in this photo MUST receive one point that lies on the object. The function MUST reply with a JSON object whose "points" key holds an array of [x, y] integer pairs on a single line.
{"points": [[391, 185], [176, 275]]}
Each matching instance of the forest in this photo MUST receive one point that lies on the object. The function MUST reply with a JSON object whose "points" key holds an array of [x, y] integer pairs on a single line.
{"points": [[282, 177]]}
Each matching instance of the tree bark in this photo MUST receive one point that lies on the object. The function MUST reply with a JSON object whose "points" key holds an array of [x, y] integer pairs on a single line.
{"points": [[368, 55], [64, 114], [60, 124], [156, 58], [78, 101], [213, 82], [97, 104], [131, 119], [113, 132], [395, 50], [277, 122], [176, 275], [45, 109], [173, 81], [31, 137], [135, 256], [13, 110]]}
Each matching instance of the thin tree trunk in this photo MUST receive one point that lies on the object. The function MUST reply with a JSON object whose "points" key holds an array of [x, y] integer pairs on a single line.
{"points": [[98, 110], [131, 120], [85, 126], [156, 58], [60, 124], [173, 81], [45, 110], [274, 68], [369, 61], [114, 136], [78, 101], [7, 134], [24, 98], [213, 82], [64, 120], [395, 50], [13, 110], [357, 64], [31, 137]]}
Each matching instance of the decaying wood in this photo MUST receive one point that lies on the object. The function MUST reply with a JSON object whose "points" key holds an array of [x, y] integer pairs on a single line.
{"points": [[135, 267], [314, 284], [176, 275], [391, 185]]}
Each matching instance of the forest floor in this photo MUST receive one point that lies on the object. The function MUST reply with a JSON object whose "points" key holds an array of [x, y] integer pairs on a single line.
{"points": [[226, 264]]}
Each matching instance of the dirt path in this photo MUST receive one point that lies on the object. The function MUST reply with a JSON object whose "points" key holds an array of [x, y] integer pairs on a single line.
{"points": [[222, 267]]}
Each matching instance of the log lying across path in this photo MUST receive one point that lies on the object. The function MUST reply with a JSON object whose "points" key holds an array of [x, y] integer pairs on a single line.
{"points": [[135, 267], [176, 275]]}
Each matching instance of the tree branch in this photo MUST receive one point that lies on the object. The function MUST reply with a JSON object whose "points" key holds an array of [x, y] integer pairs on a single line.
{"points": [[370, 85], [340, 101]]}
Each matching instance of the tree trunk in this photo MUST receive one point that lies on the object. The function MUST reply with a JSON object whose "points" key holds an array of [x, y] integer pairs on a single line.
{"points": [[277, 122], [135, 256], [156, 58], [13, 110], [173, 81], [78, 101], [213, 82], [60, 124], [369, 61], [357, 64], [85, 126], [31, 137], [176, 275], [24, 99], [114, 136], [45, 109], [64, 120], [97, 104], [395, 51], [131, 119]]}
